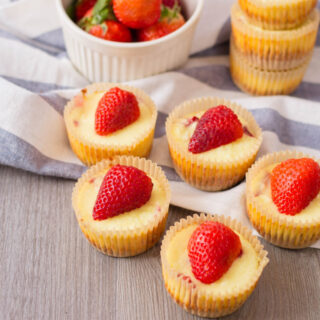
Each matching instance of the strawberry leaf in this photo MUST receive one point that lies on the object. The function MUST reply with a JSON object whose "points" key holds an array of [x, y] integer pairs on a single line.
{"points": [[103, 15], [168, 13], [102, 11], [85, 23], [100, 5]]}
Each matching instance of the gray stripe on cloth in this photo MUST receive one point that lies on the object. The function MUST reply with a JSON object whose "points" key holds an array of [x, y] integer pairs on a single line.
{"points": [[35, 86], [53, 51], [308, 90], [225, 31], [52, 38], [214, 75], [219, 77], [171, 174], [55, 101], [20, 154], [160, 125], [288, 131], [218, 50], [16, 152], [318, 39]]}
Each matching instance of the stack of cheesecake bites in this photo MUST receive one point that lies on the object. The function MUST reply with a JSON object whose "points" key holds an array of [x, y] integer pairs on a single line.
{"points": [[272, 44]]}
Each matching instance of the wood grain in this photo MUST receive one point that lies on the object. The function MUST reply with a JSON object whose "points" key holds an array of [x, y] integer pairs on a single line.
{"points": [[49, 271]]}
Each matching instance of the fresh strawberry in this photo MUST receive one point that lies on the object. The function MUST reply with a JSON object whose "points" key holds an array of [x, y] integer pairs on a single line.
{"points": [[294, 184], [212, 248], [171, 3], [112, 31], [137, 14], [170, 21], [217, 126], [82, 6], [123, 189], [116, 109], [100, 22]]}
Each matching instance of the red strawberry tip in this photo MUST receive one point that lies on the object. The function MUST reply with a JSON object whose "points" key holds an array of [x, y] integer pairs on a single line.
{"points": [[123, 189], [294, 184], [137, 14], [212, 248], [218, 126], [116, 110]]}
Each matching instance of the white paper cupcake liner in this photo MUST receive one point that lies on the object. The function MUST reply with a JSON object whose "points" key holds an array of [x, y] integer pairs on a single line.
{"points": [[90, 153], [279, 229], [211, 175], [127, 241], [197, 300], [263, 82], [284, 45]]}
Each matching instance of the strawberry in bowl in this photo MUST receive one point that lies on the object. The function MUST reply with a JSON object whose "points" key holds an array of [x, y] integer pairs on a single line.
{"points": [[100, 22], [107, 43], [116, 20], [170, 20], [137, 14]]}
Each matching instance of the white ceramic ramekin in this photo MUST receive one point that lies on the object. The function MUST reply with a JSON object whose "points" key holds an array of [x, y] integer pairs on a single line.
{"points": [[101, 60]]}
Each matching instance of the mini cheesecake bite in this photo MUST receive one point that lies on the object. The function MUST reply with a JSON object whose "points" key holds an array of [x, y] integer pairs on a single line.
{"points": [[110, 119], [283, 199], [122, 205], [282, 45], [212, 142], [211, 264], [277, 15]]}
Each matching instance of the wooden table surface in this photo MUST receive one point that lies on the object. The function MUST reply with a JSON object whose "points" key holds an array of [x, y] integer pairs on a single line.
{"points": [[48, 270]]}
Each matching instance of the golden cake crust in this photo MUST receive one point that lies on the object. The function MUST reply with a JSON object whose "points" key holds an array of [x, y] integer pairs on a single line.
{"points": [[268, 45], [123, 239], [257, 81], [90, 151], [198, 300], [210, 173]]}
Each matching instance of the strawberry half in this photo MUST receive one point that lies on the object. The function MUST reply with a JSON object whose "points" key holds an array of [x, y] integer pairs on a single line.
{"points": [[170, 21], [294, 184], [217, 126], [100, 22], [137, 14], [212, 248], [112, 31], [123, 189], [117, 109]]}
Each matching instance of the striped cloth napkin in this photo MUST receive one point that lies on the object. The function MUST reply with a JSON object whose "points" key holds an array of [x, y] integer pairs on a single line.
{"points": [[37, 79]]}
